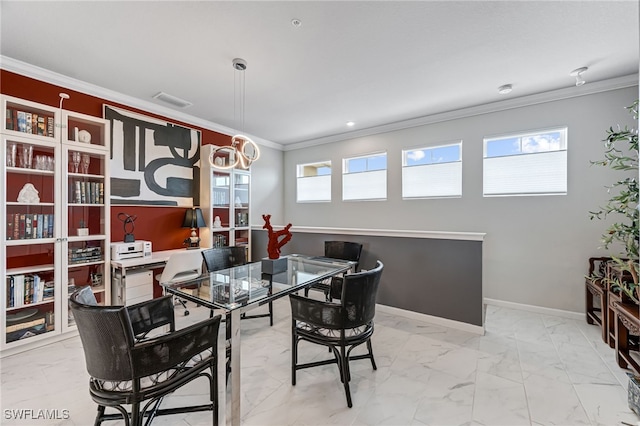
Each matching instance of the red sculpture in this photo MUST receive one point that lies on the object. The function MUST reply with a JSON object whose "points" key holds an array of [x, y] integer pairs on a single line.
{"points": [[273, 247]]}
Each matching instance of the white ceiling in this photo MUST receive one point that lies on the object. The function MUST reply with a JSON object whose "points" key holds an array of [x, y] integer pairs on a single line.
{"points": [[372, 62]]}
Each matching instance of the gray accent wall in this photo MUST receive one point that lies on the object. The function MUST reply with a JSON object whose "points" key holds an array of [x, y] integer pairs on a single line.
{"points": [[536, 247], [437, 277]]}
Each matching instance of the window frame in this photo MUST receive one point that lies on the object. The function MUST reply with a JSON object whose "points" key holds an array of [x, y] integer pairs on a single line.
{"points": [[405, 169], [300, 167], [352, 175], [559, 155]]}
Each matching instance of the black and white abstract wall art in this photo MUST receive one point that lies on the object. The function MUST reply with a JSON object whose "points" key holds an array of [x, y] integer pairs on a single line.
{"points": [[153, 162]]}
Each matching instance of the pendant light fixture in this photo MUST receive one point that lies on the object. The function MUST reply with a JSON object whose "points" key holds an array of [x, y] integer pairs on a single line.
{"points": [[242, 151]]}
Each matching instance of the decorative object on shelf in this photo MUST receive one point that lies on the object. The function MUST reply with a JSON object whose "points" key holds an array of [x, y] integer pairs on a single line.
{"points": [[75, 161], [621, 154], [274, 265], [83, 231], [161, 172], [12, 152], [193, 219], [243, 151], [216, 222], [82, 136], [128, 225], [85, 160], [28, 194], [238, 202], [26, 159], [96, 279]]}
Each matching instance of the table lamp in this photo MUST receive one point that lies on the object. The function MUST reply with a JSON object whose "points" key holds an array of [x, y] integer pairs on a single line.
{"points": [[193, 219]]}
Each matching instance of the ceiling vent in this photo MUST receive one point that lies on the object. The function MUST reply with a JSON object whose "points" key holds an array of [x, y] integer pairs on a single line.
{"points": [[172, 100]]}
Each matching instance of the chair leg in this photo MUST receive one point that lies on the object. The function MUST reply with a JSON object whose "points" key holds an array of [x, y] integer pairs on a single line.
{"points": [[136, 419], [214, 390], [271, 314], [101, 408], [346, 374], [294, 354], [370, 348]]}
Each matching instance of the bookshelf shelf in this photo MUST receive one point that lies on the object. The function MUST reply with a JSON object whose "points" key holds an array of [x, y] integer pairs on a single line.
{"points": [[42, 242]]}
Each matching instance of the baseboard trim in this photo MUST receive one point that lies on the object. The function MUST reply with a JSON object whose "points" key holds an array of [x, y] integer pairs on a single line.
{"points": [[476, 329], [536, 309]]}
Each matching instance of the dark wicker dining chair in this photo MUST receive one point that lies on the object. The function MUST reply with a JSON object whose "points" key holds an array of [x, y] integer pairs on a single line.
{"points": [[345, 250], [218, 258], [339, 326], [127, 367]]}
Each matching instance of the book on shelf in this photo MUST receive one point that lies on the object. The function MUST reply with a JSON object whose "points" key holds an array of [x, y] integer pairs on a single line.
{"points": [[34, 226], [24, 325], [40, 225], [9, 119], [50, 127], [42, 129], [78, 193], [9, 227], [101, 193], [27, 119], [10, 291], [22, 121], [45, 226], [82, 192], [22, 225], [50, 233], [16, 226]]}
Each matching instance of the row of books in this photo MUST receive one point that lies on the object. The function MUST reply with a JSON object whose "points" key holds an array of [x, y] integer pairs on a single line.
{"points": [[87, 192], [28, 289], [29, 122], [22, 226], [220, 197], [86, 254]]}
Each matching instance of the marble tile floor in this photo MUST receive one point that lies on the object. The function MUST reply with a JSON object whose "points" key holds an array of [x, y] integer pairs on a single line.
{"points": [[528, 369]]}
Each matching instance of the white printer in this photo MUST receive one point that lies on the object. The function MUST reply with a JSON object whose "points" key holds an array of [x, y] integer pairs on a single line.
{"points": [[121, 250]]}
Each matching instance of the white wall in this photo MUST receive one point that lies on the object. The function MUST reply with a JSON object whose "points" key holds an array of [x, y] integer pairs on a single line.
{"points": [[536, 248], [266, 191]]}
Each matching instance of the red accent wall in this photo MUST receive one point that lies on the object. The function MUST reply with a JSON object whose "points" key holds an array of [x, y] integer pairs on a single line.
{"points": [[160, 225]]}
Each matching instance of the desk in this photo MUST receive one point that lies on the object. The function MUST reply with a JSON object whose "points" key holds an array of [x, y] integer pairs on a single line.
{"points": [[242, 288], [119, 269]]}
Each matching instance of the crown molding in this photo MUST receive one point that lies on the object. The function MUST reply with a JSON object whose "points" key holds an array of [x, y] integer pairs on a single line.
{"points": [[51, 77], [538, 98], [42, 74]]}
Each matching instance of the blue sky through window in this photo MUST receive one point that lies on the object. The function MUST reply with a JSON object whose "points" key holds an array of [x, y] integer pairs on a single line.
{"points": [[526, 144], [366, 164], [440, 154]]}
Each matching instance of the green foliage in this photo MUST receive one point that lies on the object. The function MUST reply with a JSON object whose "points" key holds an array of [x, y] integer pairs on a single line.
{"points": [[621, 154]]}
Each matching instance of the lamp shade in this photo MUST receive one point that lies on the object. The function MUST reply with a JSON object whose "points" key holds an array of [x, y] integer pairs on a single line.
{"points": [[193, 219]]}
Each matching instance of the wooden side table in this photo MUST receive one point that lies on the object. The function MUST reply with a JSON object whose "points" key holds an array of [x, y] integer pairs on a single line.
{"points": [[596, 290], [627, 322]]}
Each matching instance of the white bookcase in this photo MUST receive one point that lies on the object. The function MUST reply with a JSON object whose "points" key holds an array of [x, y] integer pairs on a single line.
{"points": [[226, 194], [55, 184]]}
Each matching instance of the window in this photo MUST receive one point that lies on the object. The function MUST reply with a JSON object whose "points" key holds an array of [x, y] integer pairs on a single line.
{"points": [[432, 172], [364, 178], [314, 182], [526, 164]]}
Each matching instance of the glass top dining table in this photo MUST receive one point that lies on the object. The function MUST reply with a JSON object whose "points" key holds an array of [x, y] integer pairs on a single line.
{"points": [[242, 288]]}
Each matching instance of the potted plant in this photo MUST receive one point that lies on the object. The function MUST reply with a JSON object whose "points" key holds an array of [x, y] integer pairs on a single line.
{"points": [[621, 154]]}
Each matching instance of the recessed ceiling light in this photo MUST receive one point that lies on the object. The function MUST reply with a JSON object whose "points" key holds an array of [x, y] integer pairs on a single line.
{"points": [[296, 23], [503, 90], [350, 123]]}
